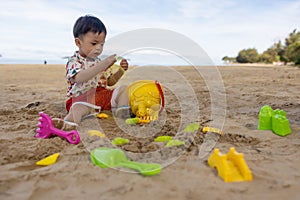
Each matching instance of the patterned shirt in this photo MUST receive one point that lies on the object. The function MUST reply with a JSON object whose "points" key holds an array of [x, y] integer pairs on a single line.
{"points": [[75, 64]]}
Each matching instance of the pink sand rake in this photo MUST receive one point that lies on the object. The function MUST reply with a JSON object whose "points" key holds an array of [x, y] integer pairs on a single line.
{"points": [[46, 130]]}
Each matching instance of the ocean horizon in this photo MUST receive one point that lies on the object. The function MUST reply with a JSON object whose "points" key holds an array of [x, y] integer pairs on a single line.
{"points": [[137, 63], [31, 61]]}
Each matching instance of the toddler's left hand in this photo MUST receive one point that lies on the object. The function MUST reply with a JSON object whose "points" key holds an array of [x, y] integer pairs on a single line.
{"points": [[124, 64]]}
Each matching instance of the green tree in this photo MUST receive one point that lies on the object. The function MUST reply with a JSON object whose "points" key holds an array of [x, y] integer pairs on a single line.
{"points": [[269, 56], [293, 38], [280, 49], [293, 52], [289, 52], [248, 56], [292, 47], [228, 59]]}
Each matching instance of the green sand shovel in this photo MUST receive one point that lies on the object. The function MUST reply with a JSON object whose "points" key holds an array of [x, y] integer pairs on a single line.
{"points": [[109, 157]]}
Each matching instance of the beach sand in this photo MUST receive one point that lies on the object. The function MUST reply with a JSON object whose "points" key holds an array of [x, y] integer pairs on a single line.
{"points": [[274, 161]]}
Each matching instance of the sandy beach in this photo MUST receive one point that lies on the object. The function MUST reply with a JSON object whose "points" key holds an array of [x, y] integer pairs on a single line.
{"points": [[274, 161]]}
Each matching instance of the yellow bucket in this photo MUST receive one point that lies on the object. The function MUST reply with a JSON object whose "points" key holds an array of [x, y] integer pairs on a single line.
{"points": [[146, 98]]}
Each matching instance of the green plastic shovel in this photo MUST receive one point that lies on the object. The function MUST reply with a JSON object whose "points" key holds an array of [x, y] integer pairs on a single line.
{"points": [[110, 157]]}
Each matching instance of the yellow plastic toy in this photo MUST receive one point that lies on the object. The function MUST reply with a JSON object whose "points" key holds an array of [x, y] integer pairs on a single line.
{"points": [[146, 99], [231, 167], [211, 129], [97, 133], [102, 116], [136, 120], [50, 160], [113, 74]]}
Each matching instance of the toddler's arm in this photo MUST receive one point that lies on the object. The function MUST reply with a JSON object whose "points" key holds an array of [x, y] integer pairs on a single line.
{"points": [[87, 74]]}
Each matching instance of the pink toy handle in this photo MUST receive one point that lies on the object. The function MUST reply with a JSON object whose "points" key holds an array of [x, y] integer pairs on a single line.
{"points": [[72, 136], [46, 130]]}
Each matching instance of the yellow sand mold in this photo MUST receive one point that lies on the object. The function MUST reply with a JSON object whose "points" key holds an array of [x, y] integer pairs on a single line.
{"points": [[231, 167]]}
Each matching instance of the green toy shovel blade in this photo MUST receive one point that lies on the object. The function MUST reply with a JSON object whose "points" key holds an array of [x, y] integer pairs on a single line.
{"points": [[110, 157]]}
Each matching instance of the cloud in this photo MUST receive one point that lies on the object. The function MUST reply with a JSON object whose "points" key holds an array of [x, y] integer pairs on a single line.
{"points": [[204, 8], [38, 11], [34, 28], [244, 25]]}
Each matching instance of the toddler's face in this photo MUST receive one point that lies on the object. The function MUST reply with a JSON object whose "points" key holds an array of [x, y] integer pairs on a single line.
{"points": [[91, 44]]}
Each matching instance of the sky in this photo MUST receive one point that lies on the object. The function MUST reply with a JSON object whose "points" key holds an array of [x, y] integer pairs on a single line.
{"points": [[34, 30]]}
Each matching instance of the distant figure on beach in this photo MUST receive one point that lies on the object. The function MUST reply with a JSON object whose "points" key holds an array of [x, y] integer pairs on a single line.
{"points": [[45, 62], [87, 87]]}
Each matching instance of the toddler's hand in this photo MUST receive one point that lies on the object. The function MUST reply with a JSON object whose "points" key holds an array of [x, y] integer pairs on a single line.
{"points": [[110, 60], [124, 64]]}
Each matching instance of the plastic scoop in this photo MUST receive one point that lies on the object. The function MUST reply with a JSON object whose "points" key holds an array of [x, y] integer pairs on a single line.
{"points": [[191, 127], [119, 141], [102, 116], [46, 130], [109, 157], [50, 160], [174, 143], [97, 133], [132, 121], [164, 138]]}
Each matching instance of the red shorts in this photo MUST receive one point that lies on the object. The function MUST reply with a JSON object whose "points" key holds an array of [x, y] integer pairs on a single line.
{"points": [[99, 96]]}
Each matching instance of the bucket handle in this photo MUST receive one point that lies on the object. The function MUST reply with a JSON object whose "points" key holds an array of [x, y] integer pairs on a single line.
{"points": [[161, 93]]}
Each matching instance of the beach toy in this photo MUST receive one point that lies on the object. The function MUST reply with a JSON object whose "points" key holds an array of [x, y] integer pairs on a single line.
{"points": [[46, 130], [280, 124], [191, 127], [164, 138], [132, 121], [173, 143], [119, 58], [231, 167], [119, 141], [212, 130], [274, 120], [97, 133], [265, 118], [113, 74], [146, 119], [109, 157], [136, 120], [50, 160], [146, 99], [102, 116]]}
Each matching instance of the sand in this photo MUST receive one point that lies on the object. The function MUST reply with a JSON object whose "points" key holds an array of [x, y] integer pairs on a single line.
{"points": [[274, 161]]}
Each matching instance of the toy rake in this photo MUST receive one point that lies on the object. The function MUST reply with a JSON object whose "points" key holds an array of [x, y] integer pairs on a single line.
{"points": [[46, 130]]}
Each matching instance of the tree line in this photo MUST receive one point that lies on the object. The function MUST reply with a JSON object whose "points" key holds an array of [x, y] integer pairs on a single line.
{"points": [[289, 52]]}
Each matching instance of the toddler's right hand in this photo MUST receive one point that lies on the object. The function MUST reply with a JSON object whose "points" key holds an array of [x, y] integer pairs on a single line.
{"points": [[110, 60]]}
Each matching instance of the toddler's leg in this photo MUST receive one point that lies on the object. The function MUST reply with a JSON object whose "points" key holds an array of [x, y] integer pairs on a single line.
{"points": [[122, 98], [76, 113], [120, 103]]}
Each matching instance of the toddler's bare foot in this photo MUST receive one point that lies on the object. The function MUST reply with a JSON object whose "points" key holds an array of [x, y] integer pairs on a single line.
{"points": [[122, 112], [69, 126]]}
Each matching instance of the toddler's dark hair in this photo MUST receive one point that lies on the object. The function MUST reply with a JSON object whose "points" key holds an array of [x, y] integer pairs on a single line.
{"points": [[88, 23]]}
